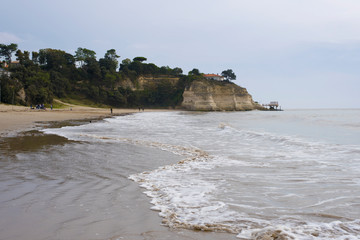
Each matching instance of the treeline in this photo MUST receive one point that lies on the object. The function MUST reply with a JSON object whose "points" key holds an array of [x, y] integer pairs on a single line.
{"points": [[39, 77]]}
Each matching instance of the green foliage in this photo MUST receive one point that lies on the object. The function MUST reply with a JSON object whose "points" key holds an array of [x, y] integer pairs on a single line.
{"points": [[109, 63], [126, 62], [139, 68], [60, 85], [38, 95], [52, 59], [228, 75], [82, 54], [177, 71], [109, 80], [35, 57], [195, 72], [24, 58], [7, 50], [111, 54], [165, 70], [38, 88], [93, 70], [115, 98], [9, 90], [52, 73], [140, 59]]}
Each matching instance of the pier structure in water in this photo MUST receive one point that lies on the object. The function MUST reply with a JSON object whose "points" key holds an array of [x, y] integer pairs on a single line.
{"points": [[274, 105]]}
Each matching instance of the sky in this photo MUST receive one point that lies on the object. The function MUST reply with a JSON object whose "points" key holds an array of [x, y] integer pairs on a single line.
{"points": [[301, 53]]}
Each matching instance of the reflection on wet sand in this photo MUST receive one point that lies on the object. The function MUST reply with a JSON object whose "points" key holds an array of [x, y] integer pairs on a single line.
{"points": [[53, 188]]}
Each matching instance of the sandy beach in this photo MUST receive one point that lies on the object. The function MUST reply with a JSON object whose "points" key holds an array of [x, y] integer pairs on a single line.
{"points": [[14, 119]]}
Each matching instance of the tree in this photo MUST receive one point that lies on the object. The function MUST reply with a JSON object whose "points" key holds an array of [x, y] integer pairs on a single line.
{"points": [[35, 57], [111, 54], [53, 59], [110, 80], [7, 50], [137, 67], [194, 72], [37, 88], [165, 70], [23, 57], [92, 67], [177, 71], [126, 62], [19, 56], [82, 54], [124, 65], [140, 59], [228, 74], [150, 68], [109, 62]]}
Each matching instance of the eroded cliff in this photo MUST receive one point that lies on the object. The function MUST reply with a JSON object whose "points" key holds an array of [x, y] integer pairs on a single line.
{"points": [[142, 82], [211, 95]]}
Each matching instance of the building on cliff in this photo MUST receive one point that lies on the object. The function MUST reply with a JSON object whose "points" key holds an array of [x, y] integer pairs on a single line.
{"points": [[214, 77]]}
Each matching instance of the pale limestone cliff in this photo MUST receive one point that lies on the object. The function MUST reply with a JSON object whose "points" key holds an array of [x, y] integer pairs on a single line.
{"points": [[211, 95]]}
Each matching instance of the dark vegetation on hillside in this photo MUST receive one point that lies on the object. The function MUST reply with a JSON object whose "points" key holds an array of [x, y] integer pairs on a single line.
{"points": [[41, 76]]}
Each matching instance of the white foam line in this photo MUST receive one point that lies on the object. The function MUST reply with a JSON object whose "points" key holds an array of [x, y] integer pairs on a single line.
{"points": [[325, 201]]}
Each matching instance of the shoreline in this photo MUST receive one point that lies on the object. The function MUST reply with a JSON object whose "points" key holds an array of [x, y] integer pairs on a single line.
{"points": [[17, 119], [140, 221]]}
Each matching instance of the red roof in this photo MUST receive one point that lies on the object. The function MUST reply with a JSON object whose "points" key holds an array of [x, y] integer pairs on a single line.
{"points": [[212, 75]]}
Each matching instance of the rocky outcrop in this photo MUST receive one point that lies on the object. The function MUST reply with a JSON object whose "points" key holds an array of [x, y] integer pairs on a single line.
{"points": [[144, 81], [211, 95]]}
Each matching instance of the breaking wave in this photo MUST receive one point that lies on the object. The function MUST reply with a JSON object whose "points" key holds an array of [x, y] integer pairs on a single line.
{"points": [[255, 184]]}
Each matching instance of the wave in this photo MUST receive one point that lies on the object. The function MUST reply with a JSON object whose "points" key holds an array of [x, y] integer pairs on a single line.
{"points": [[261, 140], [303, 231], [187, 202], [187, 194]]}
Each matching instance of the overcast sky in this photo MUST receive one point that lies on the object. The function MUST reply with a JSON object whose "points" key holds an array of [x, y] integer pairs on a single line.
{"points": [[302, 53]]}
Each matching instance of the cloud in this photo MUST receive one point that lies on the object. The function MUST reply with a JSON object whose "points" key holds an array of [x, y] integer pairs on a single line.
{"points": [[268, 44], [6, 38]]}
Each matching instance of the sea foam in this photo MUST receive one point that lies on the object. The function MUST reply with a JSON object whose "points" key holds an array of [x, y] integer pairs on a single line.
{"points": [[237, 178]]}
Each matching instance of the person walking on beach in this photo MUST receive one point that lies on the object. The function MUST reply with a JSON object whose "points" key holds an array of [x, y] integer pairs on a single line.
{"points": [[111, 111]]}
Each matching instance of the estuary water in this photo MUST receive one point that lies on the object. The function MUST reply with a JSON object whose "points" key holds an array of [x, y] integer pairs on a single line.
{"points": [[253, 175]]}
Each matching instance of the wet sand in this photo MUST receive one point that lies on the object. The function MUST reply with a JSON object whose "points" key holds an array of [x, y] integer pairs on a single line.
{"points": [[50, 192], [14, 119]]}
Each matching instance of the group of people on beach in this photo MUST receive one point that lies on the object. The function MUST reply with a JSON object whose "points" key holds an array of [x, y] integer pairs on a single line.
{"points": [[40, 106]]}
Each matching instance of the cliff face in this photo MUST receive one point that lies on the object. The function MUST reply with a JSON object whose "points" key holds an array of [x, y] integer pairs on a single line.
{"points": [[142, 82], [211, 95]]}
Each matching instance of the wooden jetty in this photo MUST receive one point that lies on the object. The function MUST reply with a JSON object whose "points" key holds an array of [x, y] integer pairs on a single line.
{"points": [[273, 106]]}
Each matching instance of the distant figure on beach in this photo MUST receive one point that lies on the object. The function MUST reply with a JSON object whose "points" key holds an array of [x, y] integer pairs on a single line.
{"points": [[51, 106], [40, 106], [143, 109], [139, 109], [111, 110]]}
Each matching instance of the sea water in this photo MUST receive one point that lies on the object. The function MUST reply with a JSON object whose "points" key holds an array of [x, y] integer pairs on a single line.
{"points": [[293, 174]]}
